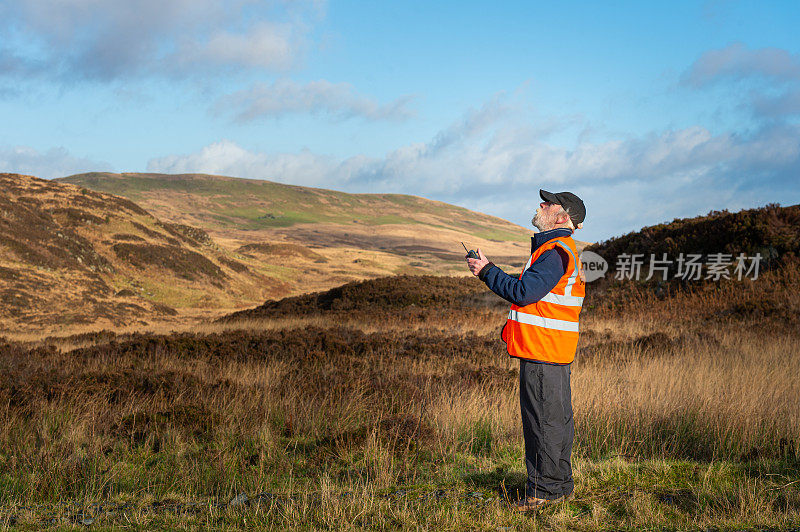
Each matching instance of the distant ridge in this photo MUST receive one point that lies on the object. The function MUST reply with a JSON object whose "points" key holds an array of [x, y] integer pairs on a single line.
{"points": [[315, 239], [224, 201]]}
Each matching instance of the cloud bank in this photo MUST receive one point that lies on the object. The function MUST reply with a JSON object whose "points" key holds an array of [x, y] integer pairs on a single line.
{"points": [[771, 75], [105, 40], [492, 162], [55, 162], [284, 97], [737, 62]]}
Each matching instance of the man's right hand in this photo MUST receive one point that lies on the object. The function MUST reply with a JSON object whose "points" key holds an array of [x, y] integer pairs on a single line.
{"points": [[476, 265]]}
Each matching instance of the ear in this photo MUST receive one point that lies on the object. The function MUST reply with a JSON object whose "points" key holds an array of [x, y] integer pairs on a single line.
{"points": [[579, 226]]}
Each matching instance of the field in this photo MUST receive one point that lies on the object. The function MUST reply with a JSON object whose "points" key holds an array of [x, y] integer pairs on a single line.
{"points": [[377, 406]]}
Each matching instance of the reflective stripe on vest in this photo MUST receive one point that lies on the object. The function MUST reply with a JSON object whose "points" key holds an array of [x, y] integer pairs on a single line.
{"points": [[539, 321], [567, 301], [547, 330], [574, 276]]}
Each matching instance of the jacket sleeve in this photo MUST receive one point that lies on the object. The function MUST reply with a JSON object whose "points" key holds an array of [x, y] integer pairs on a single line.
{"points": [[536, 282]]}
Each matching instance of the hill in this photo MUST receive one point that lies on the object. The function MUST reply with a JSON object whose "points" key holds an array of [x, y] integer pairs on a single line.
{"points": [[390, 403], [772, 230], [296, 229], [69, 255], [770, 297], [386, 295], [774, 296]]}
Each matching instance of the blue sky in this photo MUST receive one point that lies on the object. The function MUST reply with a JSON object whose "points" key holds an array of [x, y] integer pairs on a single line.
{"points": [[649, 111]]}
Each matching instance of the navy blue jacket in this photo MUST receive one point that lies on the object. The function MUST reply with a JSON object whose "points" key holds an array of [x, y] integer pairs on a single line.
{"points": [[537, 280]]}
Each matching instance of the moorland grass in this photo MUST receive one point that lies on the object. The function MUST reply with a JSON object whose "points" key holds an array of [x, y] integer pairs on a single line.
{"points": [[408, 419]]}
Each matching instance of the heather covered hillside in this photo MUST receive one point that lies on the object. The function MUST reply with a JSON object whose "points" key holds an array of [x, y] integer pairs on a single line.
{"points": [[297, 229], [774, 294], [764, 243], [772, 230], [228, 202], [385, 294], [71, 256]]}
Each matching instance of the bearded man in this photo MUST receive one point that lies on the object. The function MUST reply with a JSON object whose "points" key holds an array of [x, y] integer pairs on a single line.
{"points": [[542, 332]]}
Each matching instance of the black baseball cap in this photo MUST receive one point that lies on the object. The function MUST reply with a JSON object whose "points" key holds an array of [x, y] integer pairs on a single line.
{"points": [[568, 200]]}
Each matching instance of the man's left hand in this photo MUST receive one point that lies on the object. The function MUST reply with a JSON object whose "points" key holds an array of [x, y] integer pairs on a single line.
{"points": [[476, 265]]}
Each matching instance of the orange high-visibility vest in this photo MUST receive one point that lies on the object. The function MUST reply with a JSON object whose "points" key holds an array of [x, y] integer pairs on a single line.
{"points": [[547, 330]]}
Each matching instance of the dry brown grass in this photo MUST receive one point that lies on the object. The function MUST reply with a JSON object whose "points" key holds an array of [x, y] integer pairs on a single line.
{"points": [[678, 421]]}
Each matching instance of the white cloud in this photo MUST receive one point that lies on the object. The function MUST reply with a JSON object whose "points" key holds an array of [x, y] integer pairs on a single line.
{"points": [[737, 62], [773, 75], [120, 39], [338, 100], [487, 160], [55, 162], [228, 158], [265, 45]]}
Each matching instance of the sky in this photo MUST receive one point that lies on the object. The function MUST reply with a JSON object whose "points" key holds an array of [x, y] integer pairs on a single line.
{"points": [[649, 111]]}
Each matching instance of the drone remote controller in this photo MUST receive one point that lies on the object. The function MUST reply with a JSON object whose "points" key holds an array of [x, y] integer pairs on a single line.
{"points": [[470, 253]]}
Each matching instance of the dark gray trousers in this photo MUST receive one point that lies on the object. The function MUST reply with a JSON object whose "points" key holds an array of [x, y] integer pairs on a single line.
{"points": [[545, 400]]}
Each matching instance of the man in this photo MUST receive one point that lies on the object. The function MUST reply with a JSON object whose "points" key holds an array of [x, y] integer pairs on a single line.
{"points": [[542, 331]]}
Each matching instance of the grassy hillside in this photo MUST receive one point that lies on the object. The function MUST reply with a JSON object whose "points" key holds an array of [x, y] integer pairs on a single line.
{"points": [[252, 204], [71, 256], [361, 236]]}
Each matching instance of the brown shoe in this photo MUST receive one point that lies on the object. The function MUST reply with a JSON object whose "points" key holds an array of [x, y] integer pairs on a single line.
{"points": [[532, 503]]}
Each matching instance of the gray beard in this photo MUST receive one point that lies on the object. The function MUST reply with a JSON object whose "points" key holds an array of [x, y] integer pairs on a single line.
{"points": [[539, 223]]}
